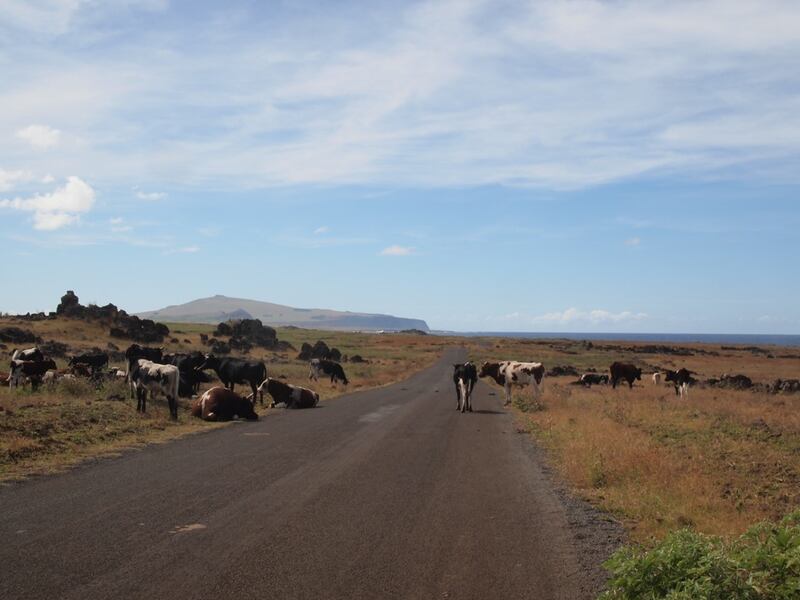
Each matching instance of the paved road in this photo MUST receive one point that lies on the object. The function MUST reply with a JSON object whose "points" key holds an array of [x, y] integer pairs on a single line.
{"points": [[383, 494]]}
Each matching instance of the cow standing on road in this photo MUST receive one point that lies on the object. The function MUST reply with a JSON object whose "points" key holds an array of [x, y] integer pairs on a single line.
{"points": [[464, 377]]}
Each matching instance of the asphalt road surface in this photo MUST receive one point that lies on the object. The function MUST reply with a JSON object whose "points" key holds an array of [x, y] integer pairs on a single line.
{"points": [[388, 493]]}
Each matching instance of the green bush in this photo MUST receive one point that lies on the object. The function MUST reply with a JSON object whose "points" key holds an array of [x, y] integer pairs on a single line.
{"points": [[764, 563]]}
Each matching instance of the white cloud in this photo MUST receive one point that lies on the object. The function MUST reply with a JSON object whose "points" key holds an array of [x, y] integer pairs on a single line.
{"points": [[323, 229], [634, 241], [550, 94], [184, 250], [59, 208], [397, 251], [572, 315], [41, 137], [151, 196], [8, 179], [116, 220], [48, 179]]}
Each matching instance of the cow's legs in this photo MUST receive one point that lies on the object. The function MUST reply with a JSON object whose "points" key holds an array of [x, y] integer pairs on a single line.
{"points": [[458, 395], [173, 408], [255, 393], [508, 394]]}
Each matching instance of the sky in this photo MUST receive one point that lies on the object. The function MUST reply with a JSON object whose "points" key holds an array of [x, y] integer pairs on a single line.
{"points": [[486, 166]]}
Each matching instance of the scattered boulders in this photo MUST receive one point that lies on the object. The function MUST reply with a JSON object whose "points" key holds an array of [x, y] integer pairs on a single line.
{"points": [[246, 333], [15, 335], [731, 382], [220, 347], [784, 385], [357, 358], [122, 325], [561, 370], [319, 350]]}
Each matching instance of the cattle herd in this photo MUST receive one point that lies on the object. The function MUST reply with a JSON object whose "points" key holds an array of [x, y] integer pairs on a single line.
{"points": [[513, 373], [151, 373]]}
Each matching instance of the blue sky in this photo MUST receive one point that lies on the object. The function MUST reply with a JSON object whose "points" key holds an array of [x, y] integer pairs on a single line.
{"points": [[544, 166]]}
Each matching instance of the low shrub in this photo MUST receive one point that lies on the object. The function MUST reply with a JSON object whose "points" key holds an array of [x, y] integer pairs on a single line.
{"points": [[764, 563]]}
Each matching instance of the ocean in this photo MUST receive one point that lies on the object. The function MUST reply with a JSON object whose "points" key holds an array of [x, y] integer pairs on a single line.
{"points": [[749, 339]]}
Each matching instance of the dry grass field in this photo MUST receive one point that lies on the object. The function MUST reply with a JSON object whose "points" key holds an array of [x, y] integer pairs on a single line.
{"points": [[718, 461], [65, 424]]}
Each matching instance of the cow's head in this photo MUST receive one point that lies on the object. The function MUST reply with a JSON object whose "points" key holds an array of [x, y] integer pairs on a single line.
{"points": [[209, 362], [489, 369]]}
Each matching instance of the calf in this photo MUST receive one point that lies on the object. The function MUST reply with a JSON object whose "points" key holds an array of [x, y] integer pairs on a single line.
{"points": [[509, 372], [624, 371], [590, 379], [681, 380], [292, 396], [221, 404], [329, 368], [235, 370], [152, 378], [94, 361], [464, 377]]}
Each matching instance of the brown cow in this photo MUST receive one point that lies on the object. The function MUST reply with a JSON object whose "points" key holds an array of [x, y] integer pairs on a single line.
{"points": [[221, 404], [292, 396], [625, 371]]}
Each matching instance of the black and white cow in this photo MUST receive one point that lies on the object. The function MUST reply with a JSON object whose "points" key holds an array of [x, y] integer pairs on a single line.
{"points": [[33, 354], [509, 372], [464, 377], [235, 370], [32, 371], [292, 396], [328, 368], [152, 378], [590, 379], [680, 379], [626, 371]]}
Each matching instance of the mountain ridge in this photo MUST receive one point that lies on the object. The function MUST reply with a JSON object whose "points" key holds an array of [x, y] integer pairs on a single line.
{"points": [[215, 309]]}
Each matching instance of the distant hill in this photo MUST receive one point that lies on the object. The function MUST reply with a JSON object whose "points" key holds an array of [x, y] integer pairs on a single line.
{"points": [[222, 308]]}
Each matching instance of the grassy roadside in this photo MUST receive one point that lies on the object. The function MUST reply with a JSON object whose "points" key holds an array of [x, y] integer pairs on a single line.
{"points": [[63, 425], [716, 463]]}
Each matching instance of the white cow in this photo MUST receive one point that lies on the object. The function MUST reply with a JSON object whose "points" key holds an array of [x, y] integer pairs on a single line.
{"points": [[155, 379], [509, 373]]}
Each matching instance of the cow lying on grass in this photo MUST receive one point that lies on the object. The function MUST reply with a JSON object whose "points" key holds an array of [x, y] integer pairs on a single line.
{"points": [[590, 379], [292, 396], [221, 404]]}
